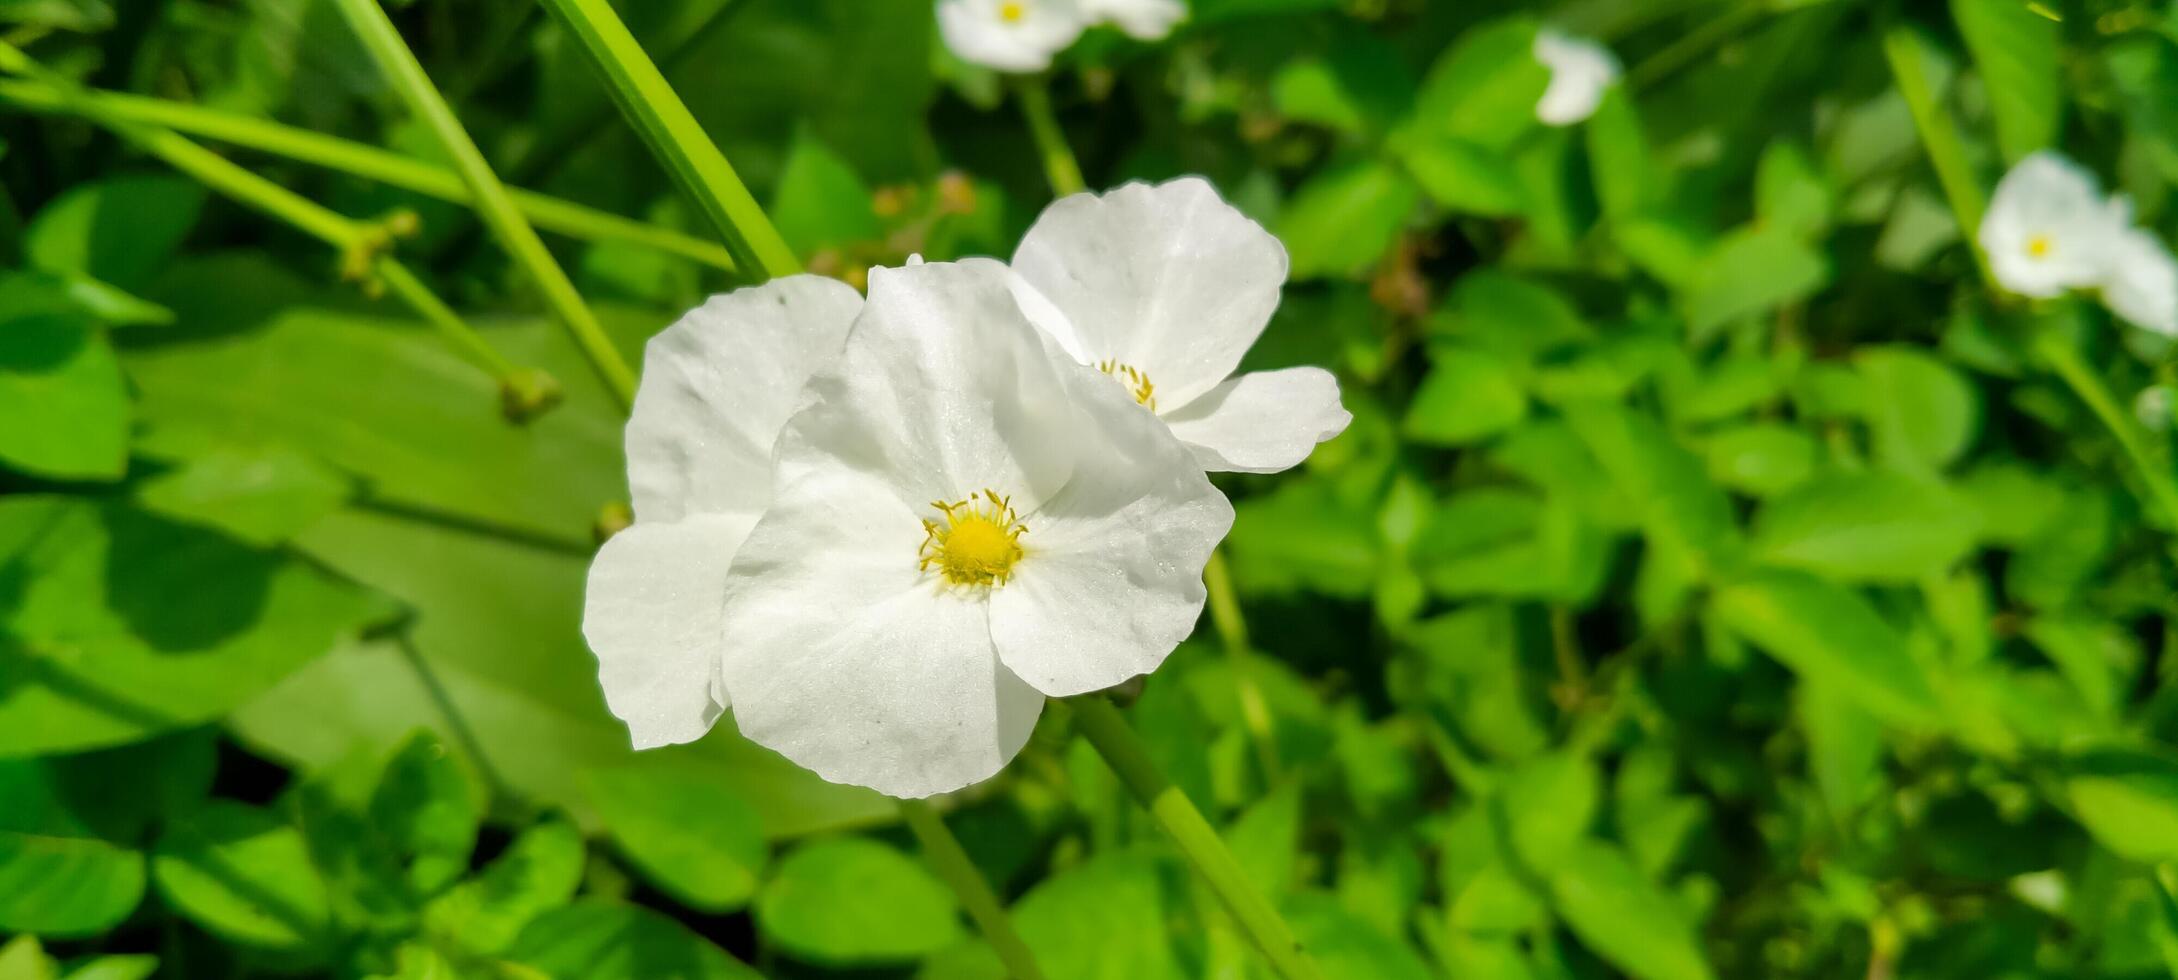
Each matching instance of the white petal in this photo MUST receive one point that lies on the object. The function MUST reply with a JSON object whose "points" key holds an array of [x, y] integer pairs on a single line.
{"points": [[651, 613], [842, 657], [1145, 20], [980, 32], [1112, 576], [1037, 307], [945, 389], [2142, 285], [1580, 71], [1169, 279], [1262, 421], [717, 386], [2048, 228]]}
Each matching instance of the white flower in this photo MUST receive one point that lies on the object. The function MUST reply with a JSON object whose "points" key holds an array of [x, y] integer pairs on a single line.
{"points": [[2142, 282], [2048, 228], [1009, 35], [1145, 20], [2153, 407], [1580, 70], [961, 523], [717, 387], [1164, 288]]}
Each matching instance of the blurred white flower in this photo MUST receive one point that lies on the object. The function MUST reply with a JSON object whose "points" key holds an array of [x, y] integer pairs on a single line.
{"points": [[1009, 35], [2141, 284], [717, 387], [1580, 70], [2153, 407], [1163, 288], [2048, 228], [962, 522], [1144, 20]]}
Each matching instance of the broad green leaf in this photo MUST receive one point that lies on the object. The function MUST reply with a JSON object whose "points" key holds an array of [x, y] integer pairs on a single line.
{"points": [[2016, 47], [688, 833], [1761, 459], [1468, 396], [602, 940], [1790, 194], [2128, 800], [536, 874], [1104, 919], [1343, 220], [850, 900], [1348, 947], [1921, 412], [2097, 657], [23, 958], [1624, 917], [1831, 635], [1266, 838], [820, 201], [1485, 87], [113, 968], [246, 876], [116, 638], [1874, 526], [1618, 155], [61, 390], [66, 886], [83, 16], [1301, 535], [28, 295], [1734, 385], [120, 230], [426, 810], [1360, 85], [1844, 747], [1548, 803], [262, 495], [1514, 316], [1668, 485], [1464, 177], [1750, 272]]}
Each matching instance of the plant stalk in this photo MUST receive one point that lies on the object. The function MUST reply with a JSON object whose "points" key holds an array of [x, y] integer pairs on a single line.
{"points": [[1232, 629], [1059, 165], [952, 863], [2064, 360]]}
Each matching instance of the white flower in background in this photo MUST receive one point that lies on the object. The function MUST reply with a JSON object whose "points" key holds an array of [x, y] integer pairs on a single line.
{"points": [[1144, 20], [2048, 228], [1580, 70], [2153, 407], [1009, 35], [717, 387], [961, 523], [1163, 288], [2142, 282]]}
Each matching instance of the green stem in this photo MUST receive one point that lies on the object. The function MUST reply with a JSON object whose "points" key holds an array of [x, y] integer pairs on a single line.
{"points": [[367, 162], [1902, 48], [406, 74], [362, 245], [1693, 44], [1225, 617], [675, 138], [1100, 722], [952, 863], [2065, 361], [1059, 165]]}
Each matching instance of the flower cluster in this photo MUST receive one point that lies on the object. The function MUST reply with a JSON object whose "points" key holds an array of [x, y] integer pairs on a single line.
{"points": [[884, 531], [1023, 35], [2049, 230]]}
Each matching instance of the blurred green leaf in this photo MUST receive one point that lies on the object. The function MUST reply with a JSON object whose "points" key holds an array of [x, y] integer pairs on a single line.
{"points": [[1762, 459], [1547, 804], [60, 383], [1875, 526], [244, 874], [1921, 412], [1469, 395], [1624, 917], [691, 835], [536, 874], [1464, 177], [65, 886], [260, 495], [1790, 193], [120, 230], [601, 940], [820, 201], [425, 809], [1750, 272], [67, 15], [1484, 87], [853, 900], [2128, 799], [2016, 48], [1103, 919], [1341, 221], [1833, 636]]}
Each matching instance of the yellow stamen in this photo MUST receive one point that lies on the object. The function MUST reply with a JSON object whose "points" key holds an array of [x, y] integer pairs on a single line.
{"points": [[1012, 11], [2038, 246], [1136, 383], [978, 542]]}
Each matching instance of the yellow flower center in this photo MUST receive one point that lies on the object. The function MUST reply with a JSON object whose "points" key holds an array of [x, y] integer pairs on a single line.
{"points": [[1012, 11], [976, 544], [2038, 246], [1136, 383]]}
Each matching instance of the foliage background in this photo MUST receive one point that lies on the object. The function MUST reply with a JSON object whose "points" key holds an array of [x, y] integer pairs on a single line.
{"points": [[1717, 580]]}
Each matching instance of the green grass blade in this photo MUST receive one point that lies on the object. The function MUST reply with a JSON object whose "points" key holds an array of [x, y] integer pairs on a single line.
{"points": [[671, 132], [493, 203]]}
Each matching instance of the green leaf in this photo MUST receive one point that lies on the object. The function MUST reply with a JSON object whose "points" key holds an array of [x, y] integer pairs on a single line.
{"points": [[1464, 177], [852, 900], [82, 16], [1790, 194], [820, 201], [1624, 917], [1265, 839], [1104, 919], [1921, 412], [603, 940], [1873, 526], [27, 295], [66, 886], [245, 875], [1514, 316], [536, 874], [1844, 747], [1547, 804], [2128, 800], [1668, 485], [113, 968], [691, 835], [1750, 272], [1484, 88], [1761, 459], [427, 810], [1468, 396], [24, 959], [1301, 535], [62, 390], [112, 637], [2016, 48], [1348, 947], [1834, 637], [120, 230], [260, 495], [1618, 153], [1341, 221]]}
